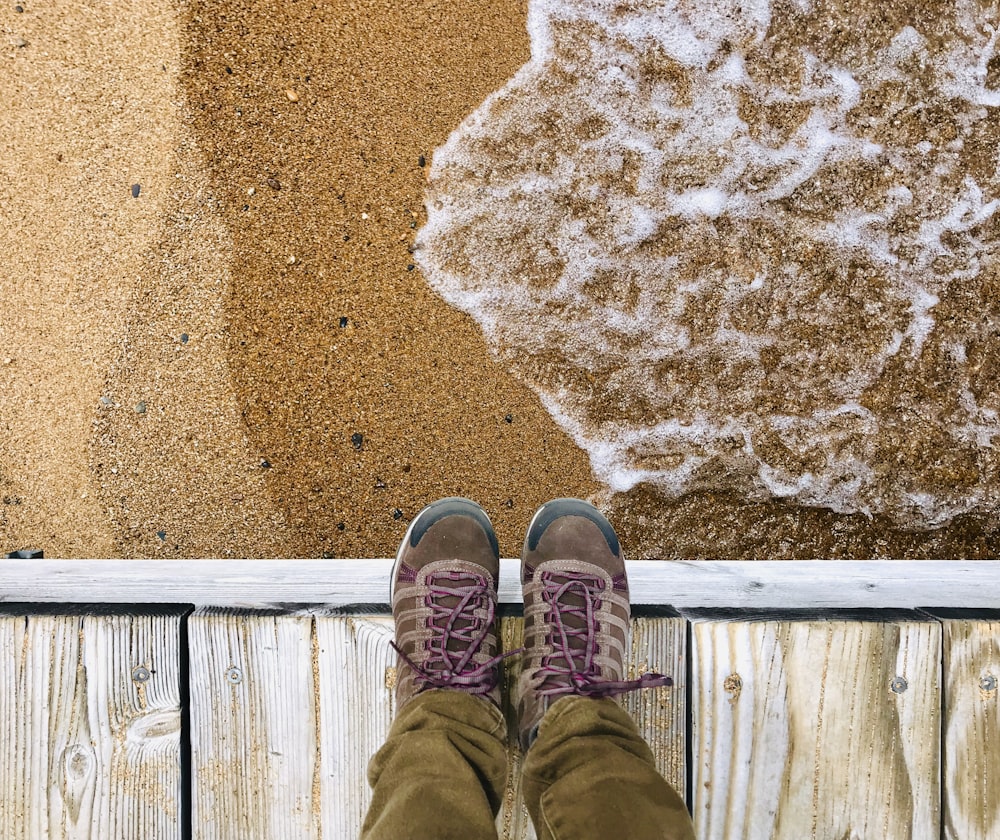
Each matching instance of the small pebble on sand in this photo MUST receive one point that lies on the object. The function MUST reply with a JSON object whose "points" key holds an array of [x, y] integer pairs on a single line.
{"points": [[292, 95], [357, 440], [184, 338], [136, 189], [252, 191], [20, 42], [274, 183], [140, 407]]}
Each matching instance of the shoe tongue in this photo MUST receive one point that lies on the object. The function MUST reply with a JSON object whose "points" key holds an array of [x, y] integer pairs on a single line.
{"points": [[571, 595], [445, 586]]}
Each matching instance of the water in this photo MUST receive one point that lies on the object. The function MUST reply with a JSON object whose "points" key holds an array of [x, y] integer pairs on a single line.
{"points": [[747, 247]]}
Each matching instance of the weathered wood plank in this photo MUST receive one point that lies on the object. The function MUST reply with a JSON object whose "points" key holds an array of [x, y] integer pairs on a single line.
{"points": [[280, 746], [11, 796], [254, 727], [93, 705], [657, 644], [816, 729], [263, 584], [357, 674], [972, 729]]}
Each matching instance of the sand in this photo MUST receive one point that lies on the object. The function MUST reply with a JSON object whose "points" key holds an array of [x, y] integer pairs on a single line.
{"points": [[213, 338]]}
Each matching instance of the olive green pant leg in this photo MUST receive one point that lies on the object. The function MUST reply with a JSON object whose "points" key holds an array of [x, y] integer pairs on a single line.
{"points": [[441, 773], [590, 775]]}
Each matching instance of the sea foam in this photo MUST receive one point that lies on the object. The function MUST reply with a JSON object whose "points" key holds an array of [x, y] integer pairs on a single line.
{"points": [[745, 246]]}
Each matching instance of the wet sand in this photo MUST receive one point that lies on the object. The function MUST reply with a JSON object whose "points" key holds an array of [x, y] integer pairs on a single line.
{"points": [[242, 360]]}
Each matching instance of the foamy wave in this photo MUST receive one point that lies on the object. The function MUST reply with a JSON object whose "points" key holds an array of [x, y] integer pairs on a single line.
{"points": [[745, 246]]}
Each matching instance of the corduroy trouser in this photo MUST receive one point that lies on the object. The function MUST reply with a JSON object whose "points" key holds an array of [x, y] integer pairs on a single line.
{"points": [[589, 775]]}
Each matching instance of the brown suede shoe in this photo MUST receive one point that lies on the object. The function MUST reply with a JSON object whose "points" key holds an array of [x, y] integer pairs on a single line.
{"points": [[576, 612], [444, 602]]}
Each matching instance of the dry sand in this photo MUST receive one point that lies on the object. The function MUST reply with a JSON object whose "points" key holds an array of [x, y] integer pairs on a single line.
{"points": [[241, 360]]}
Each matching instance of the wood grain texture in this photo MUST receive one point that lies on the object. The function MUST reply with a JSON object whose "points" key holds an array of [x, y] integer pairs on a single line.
{"points": [[357, 677], [254, 727], [798, 732], [972, 729], [285, 713], [93, 705], [657, 644], [265, 584]]}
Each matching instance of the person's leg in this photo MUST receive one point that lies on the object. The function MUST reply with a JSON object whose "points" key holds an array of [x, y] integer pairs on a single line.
{"points": [[588, 774], [442, 770], [441, 773]]}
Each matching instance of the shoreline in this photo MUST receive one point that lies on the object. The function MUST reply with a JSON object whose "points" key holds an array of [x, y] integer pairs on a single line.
{"points": [[304, 407]]}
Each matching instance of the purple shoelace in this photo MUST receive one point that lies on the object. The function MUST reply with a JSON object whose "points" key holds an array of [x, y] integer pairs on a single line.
{"points": [[454, 598], [574, 640]]}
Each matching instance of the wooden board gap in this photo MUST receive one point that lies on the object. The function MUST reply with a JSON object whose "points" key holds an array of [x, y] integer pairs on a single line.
{"points": [[738, 614], [51, 608], [963, 614]]}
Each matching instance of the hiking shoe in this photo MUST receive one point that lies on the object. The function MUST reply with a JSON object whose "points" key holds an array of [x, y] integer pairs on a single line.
{"points": [[576, 612], [444, 602]]}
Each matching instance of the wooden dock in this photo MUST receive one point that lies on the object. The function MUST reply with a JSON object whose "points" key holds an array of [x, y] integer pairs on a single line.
{"points": [[241, 699]]}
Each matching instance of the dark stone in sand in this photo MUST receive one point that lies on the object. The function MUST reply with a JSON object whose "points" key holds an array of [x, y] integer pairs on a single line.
{"points": [[136, 188], [26, 554], [357, 440]]}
